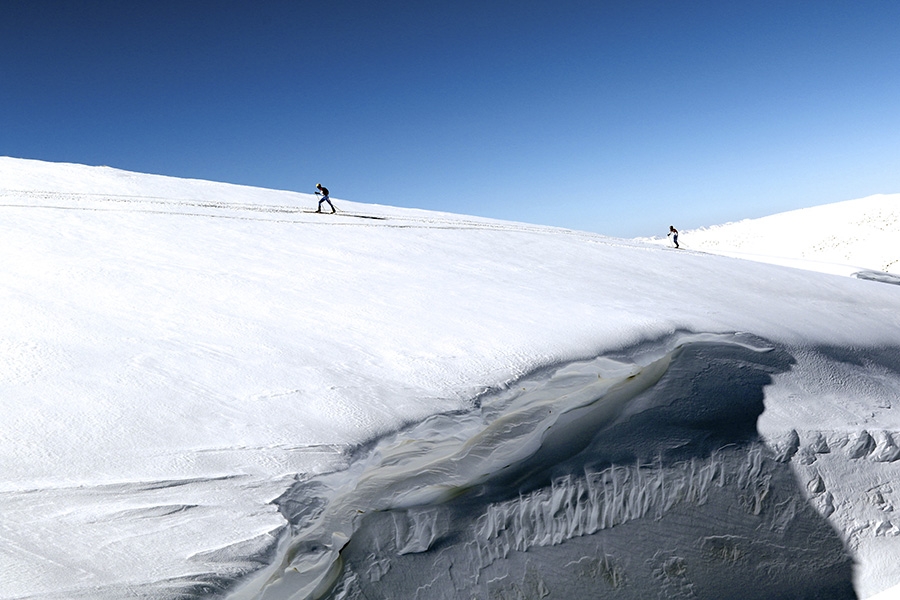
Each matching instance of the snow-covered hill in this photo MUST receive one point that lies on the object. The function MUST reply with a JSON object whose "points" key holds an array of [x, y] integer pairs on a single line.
{"points": [[209, 390], [852, 236]]}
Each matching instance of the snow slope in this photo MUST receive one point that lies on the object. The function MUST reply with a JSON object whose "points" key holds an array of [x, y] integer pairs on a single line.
{"points": [[207, 390], [851, 236]]}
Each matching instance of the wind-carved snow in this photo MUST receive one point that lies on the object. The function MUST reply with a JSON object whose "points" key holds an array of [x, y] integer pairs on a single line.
{"points": [[427, 513], [864, 513], [880, 276], [846, 460], [579, 506]]}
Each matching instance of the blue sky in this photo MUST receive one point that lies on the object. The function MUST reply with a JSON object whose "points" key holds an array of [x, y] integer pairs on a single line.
{"points": [[620, 117]]}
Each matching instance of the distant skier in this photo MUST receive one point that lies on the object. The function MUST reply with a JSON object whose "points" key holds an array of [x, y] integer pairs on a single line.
{"points": [[323, 191], [674, 233]]}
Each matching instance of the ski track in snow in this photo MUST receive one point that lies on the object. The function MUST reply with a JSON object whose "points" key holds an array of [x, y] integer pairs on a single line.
{"points": [[232, 210]]}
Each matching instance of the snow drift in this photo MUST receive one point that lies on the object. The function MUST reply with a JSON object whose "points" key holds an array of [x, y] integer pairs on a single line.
{"points": [[209, 391]]}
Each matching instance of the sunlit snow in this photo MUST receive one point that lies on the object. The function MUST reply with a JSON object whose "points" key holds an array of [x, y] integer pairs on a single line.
{"points": [[209, 390], [843, 237]]}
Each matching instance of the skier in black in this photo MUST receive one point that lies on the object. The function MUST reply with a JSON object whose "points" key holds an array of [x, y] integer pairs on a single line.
{"points": [[674, 233], [323, 191]]}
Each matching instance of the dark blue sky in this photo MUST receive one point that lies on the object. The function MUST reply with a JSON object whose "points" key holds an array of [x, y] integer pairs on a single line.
{"points": [[619, 117]]}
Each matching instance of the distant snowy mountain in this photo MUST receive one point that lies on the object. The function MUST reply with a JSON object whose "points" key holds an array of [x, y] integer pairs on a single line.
{"points": [[856, 235], [209, 390]]}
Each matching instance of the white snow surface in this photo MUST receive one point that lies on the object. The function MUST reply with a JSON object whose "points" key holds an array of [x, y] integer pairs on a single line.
{"points": [[841, 238], [176, 354]]}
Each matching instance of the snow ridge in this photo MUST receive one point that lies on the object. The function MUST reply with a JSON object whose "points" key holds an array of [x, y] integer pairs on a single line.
{"points": [[421, 518]]}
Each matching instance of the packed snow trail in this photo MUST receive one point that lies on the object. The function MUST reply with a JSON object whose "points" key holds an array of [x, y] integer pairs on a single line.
{"points": [[287, 213]]}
